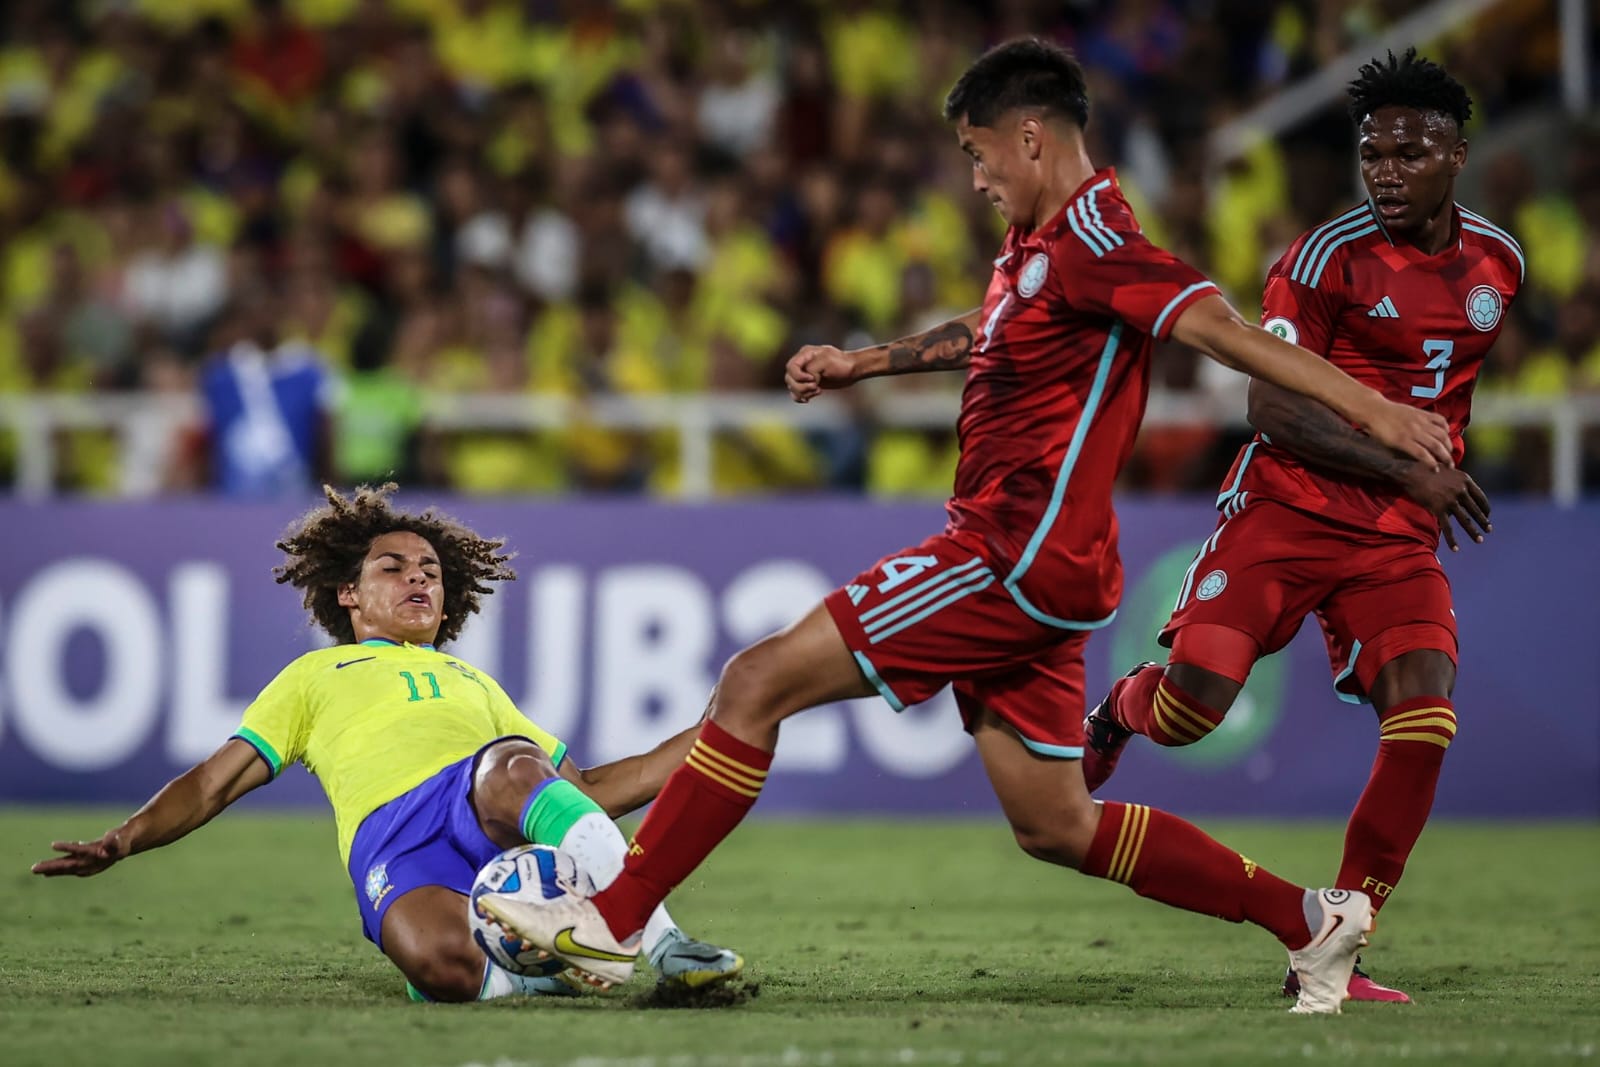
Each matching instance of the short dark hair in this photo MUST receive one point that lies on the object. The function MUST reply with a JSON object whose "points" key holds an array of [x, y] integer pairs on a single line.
{"points": [[1022, 73], [327, 546], [1409, 81]]}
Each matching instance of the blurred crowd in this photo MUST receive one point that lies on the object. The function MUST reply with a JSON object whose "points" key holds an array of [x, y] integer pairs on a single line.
{"points": [[318, 217]]}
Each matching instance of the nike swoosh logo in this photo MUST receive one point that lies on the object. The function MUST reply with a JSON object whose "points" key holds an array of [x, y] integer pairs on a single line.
{"points": [[566, 946], [699, 957], [1338, 921], [349, 662]]}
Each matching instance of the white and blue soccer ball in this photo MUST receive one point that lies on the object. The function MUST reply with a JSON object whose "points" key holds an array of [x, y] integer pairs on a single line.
{"points": [[537, 872]]}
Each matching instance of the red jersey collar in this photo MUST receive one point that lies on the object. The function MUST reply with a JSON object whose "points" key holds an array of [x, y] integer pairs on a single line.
{"points": [[1416, 256]]}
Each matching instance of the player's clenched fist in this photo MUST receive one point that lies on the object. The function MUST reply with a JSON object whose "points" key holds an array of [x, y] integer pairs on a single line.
{"points": [[815, 368]]}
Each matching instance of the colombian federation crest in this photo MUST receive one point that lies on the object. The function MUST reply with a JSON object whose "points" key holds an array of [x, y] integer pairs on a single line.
{"points": [[1484, 307], [1033, 272], [1212, 584]]}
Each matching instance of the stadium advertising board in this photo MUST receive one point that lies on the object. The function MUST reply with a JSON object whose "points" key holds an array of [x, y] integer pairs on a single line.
{"points": [[132, 635]]}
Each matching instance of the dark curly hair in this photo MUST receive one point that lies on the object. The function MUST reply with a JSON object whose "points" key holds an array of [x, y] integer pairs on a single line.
{"points": [[327, 546], [1409, 81]]}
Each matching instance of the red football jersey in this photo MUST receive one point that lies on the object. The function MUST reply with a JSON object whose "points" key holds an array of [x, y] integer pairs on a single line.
{"points": [[1054, 394], [1412, 326]]}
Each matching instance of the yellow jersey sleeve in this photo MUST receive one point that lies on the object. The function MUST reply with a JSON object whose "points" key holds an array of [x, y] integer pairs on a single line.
{"points": [[276, 722], [508, 720]]}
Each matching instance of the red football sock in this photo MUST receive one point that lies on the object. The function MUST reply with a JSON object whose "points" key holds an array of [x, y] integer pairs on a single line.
{"points": [[1164, 858], [1393, 809], [1149, 704], [702, 802]]}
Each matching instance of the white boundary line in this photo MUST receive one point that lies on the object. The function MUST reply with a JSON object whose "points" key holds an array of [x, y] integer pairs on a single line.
{"points": [[792, 1056]]}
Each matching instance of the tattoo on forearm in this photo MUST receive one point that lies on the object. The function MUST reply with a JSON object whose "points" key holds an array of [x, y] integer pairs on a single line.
{"points": [[944, 347], [1323, 439]]}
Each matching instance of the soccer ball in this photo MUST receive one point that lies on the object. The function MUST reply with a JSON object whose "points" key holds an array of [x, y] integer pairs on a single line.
{"points": [[536, 871]]}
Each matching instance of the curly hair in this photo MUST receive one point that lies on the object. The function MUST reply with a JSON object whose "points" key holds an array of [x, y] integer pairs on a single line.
{"points": [[328, 544], [1409, 81]]}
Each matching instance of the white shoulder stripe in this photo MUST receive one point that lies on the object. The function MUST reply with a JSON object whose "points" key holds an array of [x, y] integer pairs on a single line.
{"points": [[1476, 223], [1522, 264], [1086, 233], [1482, 221], [1316, 235], [1083, 215], [1093, 208], [1315, 278], [1161, 319]]}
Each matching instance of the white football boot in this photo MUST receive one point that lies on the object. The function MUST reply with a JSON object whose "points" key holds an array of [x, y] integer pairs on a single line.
{"points": [[1324, 965], [681, 960], [571, 929]]}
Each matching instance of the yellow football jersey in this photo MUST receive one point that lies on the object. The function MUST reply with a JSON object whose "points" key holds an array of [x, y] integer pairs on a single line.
{"points": [[375, 720]]}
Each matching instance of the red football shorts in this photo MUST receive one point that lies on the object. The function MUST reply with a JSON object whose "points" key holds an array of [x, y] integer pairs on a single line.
{"points": [[938, 614], [1268, 566]]}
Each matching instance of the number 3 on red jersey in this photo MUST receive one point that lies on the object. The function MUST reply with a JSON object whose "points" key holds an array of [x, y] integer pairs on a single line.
{"points": [[1438, 355]]}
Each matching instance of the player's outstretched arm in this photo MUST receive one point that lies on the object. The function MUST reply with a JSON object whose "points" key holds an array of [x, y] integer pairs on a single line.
{"points": [[947, 346], [1215, 328], [186, 803], [1317, 436], [629, 784]]}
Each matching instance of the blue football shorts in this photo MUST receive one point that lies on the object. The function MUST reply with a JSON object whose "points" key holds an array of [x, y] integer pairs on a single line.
{"points": [[428, 835]]}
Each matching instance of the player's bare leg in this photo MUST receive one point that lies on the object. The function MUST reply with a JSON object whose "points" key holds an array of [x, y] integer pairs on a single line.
{"points": [[1174, 705], [427, 935], [1411, 695], [799, 667], [1164, 858], [507, 774], [520, 796]]}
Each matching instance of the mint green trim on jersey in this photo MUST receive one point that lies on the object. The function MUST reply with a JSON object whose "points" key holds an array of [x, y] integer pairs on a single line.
{"points": [[1054, 751], [1161, 319], [1473, 222], [1060, 624], [380, 641], [878, 683], [559, 754], [1238, 480], [1300, 270], [1091, 406], [1344, 675], [1327, 253], [947, 591], [261, 745]]}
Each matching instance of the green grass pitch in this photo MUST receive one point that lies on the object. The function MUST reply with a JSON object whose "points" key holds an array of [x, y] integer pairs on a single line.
{"points": [[927, 943]]}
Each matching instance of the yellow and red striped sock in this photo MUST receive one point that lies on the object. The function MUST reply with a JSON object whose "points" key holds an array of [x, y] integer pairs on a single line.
{"points": [[1152, 705], [703, 800], [1412, 738], [1162, 857]]}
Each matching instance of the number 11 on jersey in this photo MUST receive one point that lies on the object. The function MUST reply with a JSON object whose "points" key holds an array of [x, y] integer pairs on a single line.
{"points": [[416, 694]]}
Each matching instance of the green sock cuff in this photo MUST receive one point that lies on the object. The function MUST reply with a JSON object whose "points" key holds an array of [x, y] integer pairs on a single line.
{"points": [[552, 808]]}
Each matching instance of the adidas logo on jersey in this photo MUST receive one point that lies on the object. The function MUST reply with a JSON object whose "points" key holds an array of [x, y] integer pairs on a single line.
{"points": [[1384, 309]]}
